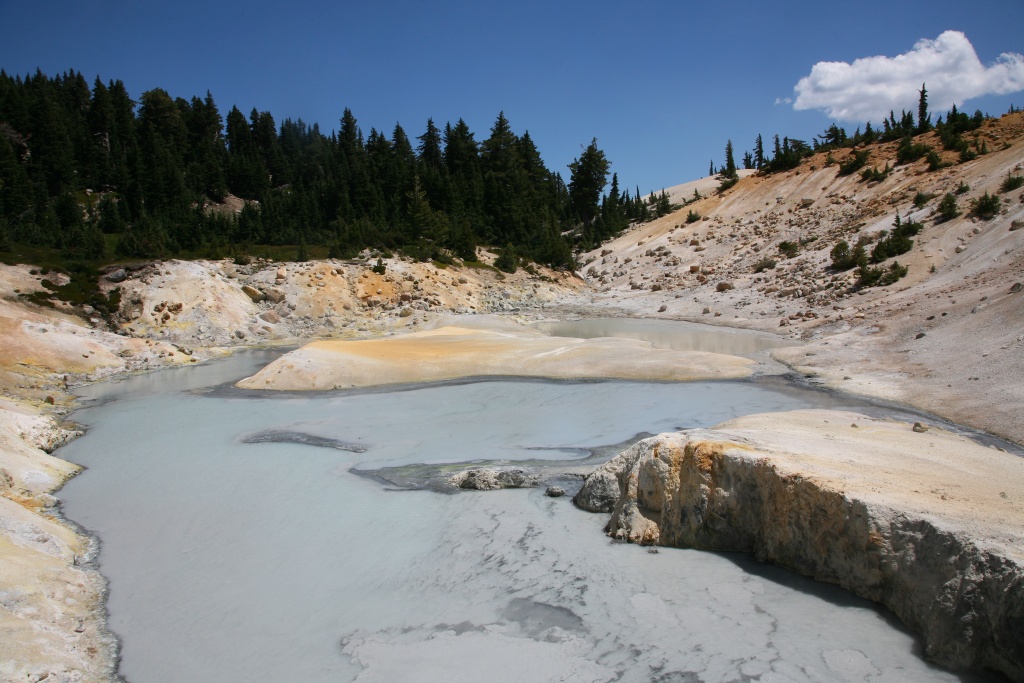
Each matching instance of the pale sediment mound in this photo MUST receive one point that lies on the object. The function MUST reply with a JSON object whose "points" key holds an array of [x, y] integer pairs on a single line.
{"points": [[456, 352], [928, 523]]}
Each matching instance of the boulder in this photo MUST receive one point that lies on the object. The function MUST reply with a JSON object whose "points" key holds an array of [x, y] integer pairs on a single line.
{"points": [[493, 479], [253, 293], [119, 275], [600, 489]]}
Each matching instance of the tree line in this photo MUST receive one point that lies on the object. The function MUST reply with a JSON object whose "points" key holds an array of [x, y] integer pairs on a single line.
{"points": [[91, 172], [787, 153]]}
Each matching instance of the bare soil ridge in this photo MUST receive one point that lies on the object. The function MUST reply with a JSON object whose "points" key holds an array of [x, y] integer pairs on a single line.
{"points": [[455, 352], [947, 338]]}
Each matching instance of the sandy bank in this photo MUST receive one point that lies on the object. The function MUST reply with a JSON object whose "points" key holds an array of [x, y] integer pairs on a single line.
{"points": [[929, 524], [457, 352]]}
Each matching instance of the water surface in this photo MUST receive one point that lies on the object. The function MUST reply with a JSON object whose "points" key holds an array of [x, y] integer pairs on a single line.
{"points": [[268, 561], [668, 334]]}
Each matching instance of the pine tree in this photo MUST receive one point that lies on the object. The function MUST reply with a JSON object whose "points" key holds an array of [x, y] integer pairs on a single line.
{"points": [[924, 123], [729, 172], [758, 153], [431, 168], [589, 174]]}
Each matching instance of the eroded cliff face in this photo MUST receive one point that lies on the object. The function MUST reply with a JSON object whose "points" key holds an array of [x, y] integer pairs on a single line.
{"points": [[957, 585]]}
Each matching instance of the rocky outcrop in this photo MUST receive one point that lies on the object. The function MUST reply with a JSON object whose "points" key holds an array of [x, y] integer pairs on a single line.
{"points": [[718, 490], [494, 479]]}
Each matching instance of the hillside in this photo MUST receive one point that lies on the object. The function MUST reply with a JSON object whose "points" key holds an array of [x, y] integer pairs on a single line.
{"points": [[946, 338]]}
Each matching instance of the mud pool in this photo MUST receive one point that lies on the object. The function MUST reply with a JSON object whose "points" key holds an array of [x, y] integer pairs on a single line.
{"points": [[277, 561], [668, 334]]}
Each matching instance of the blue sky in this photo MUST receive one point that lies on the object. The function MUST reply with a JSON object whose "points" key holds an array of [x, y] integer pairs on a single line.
{"points": [[662, 85]]}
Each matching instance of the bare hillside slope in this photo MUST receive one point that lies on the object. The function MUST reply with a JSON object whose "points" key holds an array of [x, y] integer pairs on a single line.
{"points": [[947, 338]]}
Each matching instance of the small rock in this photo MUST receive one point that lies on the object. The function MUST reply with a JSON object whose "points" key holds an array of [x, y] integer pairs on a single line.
{"points": [[254, 294], [240, 334], [921, 427], [51, 400], [118, 275], [663, 308], [489, 480], [271, 317], [405, 312], [919, 335], [554, 492], [1016, 287], [600, 491]]}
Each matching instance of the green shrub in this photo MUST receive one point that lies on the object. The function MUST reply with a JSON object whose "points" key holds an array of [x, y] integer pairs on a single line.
{"points": [[963, 188], [692, 216], [854, 162], [874, 175], [789, 249], [935, 161], [1012, 182], [896, 242], [948, 209], [986, 206], [844, 258], [922, 198], [767, 263], [726, 183], [507, 260], [880, 277], [380, 268], [910, 151]]}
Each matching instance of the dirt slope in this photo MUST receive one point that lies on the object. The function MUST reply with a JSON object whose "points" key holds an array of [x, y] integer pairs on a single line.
{"points": [[948, 338]]}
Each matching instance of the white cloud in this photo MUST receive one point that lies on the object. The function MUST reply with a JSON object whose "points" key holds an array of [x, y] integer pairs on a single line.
{"points": [[871, 86]]}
